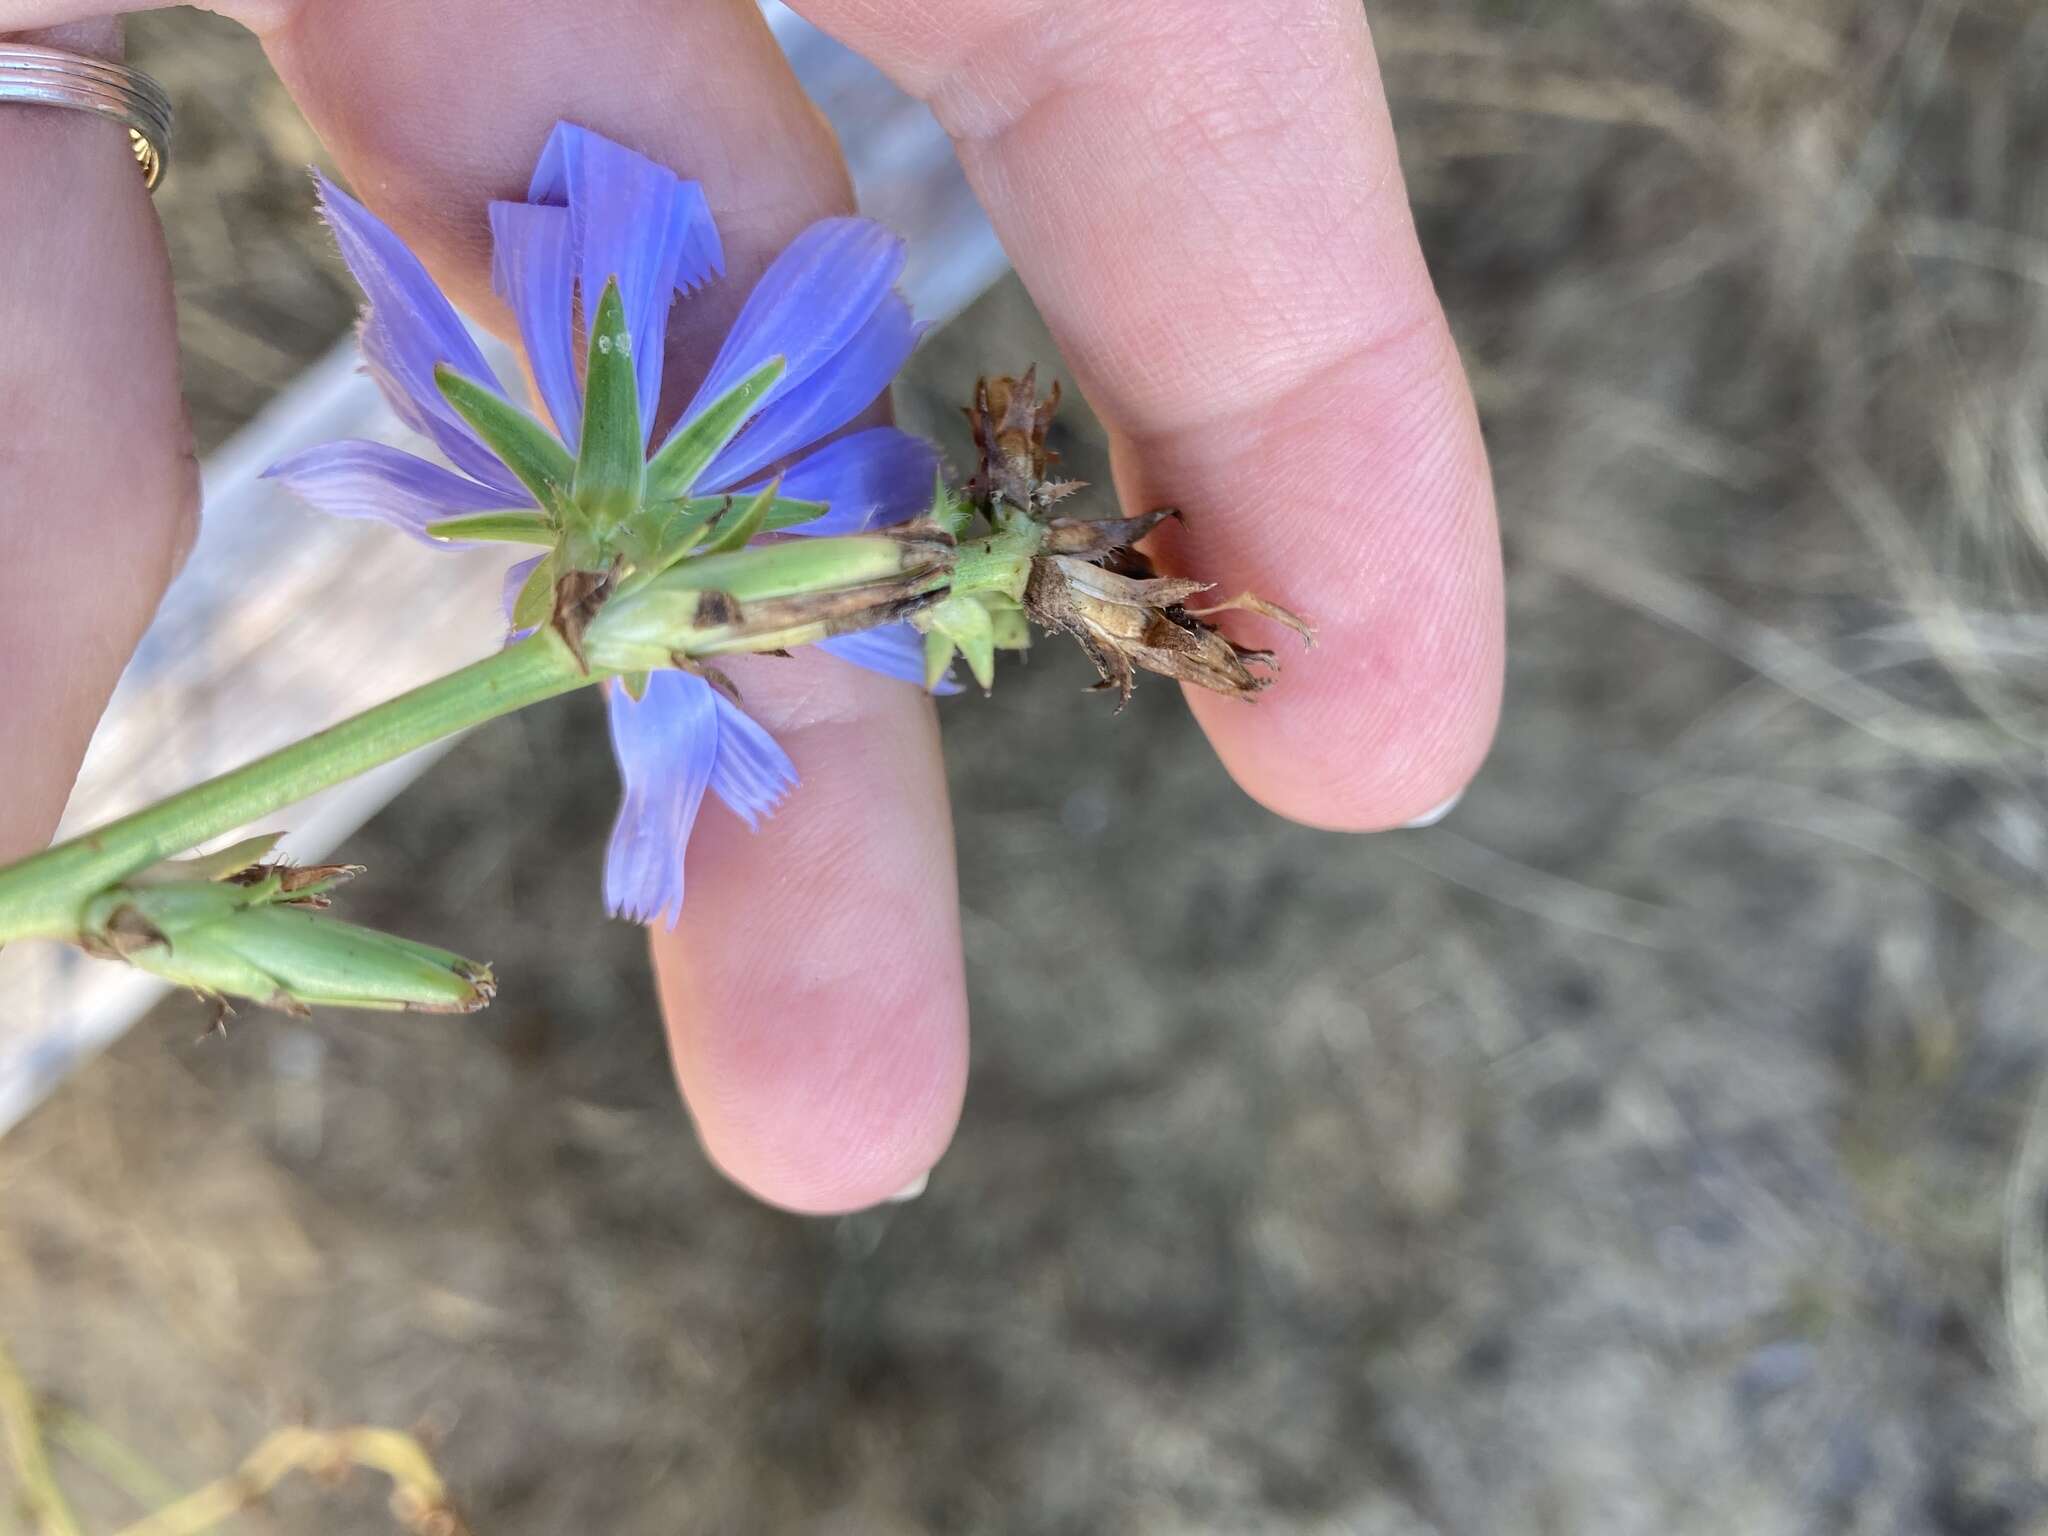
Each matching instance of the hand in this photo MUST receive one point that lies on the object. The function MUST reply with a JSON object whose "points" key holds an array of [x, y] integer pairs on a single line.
{"points": [[1204, 200]]}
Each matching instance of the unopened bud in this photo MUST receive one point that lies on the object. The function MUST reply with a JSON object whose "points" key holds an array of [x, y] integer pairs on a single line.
{"points": [[259, 932]]}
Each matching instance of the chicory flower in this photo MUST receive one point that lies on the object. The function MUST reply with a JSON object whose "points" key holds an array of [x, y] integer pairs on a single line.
{"points": [[598, 213]]}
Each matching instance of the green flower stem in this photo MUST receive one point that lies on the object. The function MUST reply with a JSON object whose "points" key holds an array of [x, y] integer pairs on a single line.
{"points": [[45, 896]]}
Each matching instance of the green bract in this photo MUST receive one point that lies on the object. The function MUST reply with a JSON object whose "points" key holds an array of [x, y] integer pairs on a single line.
{"points": [[502, 527], [741, 524], [528, 449], [611, 465], [685, 457], [983, 611]]}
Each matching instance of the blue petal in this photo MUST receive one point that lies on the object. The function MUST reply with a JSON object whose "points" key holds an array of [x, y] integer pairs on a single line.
{"points": [[751, 773], [809, 305], [666, 744], [826, 401], [408, 327], [872, 479], [702, 256], [533, 270], [354, 478], [635, 221], [894, 650]]}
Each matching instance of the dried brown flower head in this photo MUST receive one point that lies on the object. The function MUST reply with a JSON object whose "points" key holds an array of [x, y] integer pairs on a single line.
{"points": [[1090, 581]]}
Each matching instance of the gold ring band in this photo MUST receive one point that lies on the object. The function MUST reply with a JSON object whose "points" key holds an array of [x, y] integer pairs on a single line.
{"points": [[52, 77]]}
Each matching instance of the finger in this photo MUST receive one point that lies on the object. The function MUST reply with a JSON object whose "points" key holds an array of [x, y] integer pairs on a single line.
{"points": [[821, 1047], [1205, 201], [99, 492], [815, 1000]]}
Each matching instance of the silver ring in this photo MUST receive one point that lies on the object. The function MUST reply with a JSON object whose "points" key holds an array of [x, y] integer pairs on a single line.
{"points": [[51, 77]]}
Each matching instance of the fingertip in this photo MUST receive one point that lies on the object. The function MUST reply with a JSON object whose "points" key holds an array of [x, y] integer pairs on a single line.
{"points": [[849, 1124], [1380, 735], [1380, 532], [814, 989], [1394, 710]]}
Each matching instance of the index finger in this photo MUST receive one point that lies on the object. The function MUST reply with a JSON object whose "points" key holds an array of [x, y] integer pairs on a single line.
{"points": [[1206, 203]]}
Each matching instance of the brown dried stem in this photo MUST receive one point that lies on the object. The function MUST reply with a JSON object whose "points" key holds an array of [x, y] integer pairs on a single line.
{"points": [[419, 1499]]}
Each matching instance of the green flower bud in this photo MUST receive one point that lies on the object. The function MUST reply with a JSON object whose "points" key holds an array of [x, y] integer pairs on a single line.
{"points": [[259, 932]]}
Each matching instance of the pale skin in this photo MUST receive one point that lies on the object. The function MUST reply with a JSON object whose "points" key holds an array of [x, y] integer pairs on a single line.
{"points": [[1204, 199]]}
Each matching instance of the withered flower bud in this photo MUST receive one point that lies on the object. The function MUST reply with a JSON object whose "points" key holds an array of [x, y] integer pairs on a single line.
{"points": [[1009, 422], [1087, 579], [1140, 620]]}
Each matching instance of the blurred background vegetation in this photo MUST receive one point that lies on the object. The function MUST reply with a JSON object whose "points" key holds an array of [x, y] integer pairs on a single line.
{"points": [[1651, 1147]]}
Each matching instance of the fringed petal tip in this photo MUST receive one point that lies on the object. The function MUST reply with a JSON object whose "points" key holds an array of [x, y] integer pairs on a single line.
{"points": [[634, 221], [702, 254], [752, 774], [633, 910]]}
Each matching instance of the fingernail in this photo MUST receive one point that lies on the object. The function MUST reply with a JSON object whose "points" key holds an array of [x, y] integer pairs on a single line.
{"points": [[913, 1189], [1431, 818]]}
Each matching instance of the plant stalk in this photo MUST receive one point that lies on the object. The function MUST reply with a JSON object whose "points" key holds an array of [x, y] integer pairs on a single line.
{"points": [[44, 896]]}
